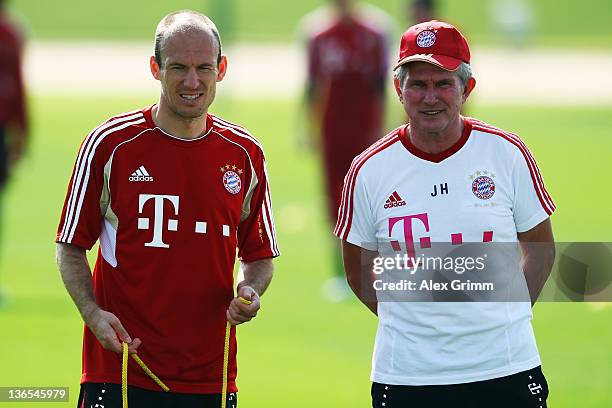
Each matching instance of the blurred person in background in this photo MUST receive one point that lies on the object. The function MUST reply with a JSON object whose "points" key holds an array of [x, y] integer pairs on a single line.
{"points": [[13, 112], [347, 52]]}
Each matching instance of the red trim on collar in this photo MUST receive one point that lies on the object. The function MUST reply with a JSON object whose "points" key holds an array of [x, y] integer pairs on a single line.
{"points": [[436, 157]]}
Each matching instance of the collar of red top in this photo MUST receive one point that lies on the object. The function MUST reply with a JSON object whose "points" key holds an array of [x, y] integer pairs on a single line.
{"points": [[148, 114]]}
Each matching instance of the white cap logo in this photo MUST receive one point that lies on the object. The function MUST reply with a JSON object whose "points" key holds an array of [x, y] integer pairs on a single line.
{"points": [[426, 39]]}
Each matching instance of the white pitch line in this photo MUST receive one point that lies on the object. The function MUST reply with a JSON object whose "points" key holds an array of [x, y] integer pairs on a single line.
{"points": [[530, 76]]}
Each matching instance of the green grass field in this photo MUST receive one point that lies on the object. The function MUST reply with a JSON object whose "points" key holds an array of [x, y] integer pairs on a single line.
{"points": [[570, 23], [311, 352]]}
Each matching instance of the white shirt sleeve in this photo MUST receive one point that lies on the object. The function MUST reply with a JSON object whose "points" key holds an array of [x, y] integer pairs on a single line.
{"points": [[362, 230], [532, 204]]}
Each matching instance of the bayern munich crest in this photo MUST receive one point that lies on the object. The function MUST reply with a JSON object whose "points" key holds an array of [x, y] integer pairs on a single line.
{"points": [[231, 178], [426, 39], [483, 186]]}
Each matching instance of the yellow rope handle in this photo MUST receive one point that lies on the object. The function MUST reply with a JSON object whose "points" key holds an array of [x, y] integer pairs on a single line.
{"points": [[150, 373], [228, 328], [124, 372], [124, 367]]}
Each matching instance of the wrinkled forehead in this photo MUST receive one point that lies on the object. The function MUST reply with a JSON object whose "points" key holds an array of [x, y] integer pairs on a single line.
{"points": [[425, 70], [185, 40]]}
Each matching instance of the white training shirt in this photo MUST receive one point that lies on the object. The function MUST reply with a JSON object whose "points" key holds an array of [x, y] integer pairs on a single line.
{"points": [[488, 188]]}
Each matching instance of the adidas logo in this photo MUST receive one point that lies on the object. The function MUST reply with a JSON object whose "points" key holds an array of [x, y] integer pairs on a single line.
{"points": [[394, 200], [141, 174]]}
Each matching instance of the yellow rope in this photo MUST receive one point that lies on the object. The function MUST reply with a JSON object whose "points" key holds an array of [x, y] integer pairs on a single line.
{"points": [[150, 373], [124, 368], [228, 328]]}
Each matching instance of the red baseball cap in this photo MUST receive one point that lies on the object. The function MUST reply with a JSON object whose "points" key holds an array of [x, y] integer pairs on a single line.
{"points": [[436, 42]]}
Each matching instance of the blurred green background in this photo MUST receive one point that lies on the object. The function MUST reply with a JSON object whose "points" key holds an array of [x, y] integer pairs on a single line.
{"points": [[302, 349], [567, 23]]}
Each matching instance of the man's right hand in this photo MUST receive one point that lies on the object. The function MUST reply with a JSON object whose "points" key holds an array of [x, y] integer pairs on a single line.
{"points": [[110, 332], [76, 275]]}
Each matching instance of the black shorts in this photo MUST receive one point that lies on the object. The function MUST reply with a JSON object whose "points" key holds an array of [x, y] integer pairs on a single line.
{"points": [[527, 389], [106, 395]]}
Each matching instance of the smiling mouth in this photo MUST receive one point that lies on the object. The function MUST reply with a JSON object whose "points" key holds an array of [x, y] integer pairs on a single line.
{"points": [[190, 97], [431, 112]]}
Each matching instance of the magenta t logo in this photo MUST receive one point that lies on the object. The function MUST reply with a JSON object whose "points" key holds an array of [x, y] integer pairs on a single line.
{"points": [[408, 235]]}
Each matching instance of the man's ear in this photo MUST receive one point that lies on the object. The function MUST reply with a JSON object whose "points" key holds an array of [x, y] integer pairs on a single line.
{"points": [[469, 87], [154, 67], [398, 88], [222, 69]]}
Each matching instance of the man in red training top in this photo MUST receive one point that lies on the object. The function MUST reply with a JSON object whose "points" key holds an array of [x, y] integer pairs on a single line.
{"points": [[170, 191]]}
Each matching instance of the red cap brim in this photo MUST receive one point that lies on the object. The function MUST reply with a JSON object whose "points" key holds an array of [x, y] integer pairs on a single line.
{"points": [[442, 61]]}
